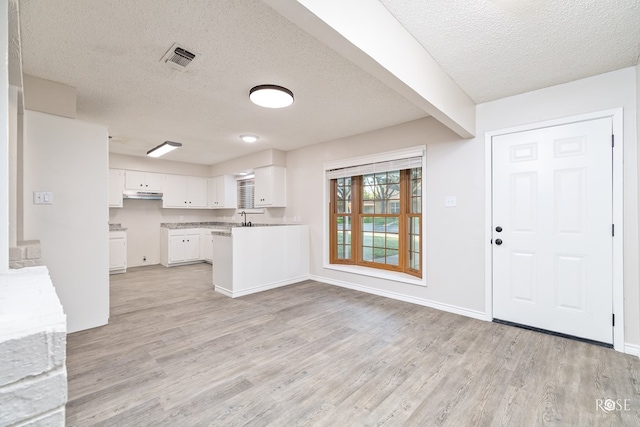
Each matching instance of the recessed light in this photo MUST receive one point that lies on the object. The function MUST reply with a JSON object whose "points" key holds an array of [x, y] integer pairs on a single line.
{"points": [[271, 96], [249, 138], [163, 148]]}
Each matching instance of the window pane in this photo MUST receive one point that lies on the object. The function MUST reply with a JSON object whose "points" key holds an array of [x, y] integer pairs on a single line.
{"points": [[340, 251], [367, 239], [367, 207], [379, 223], [379, 240], [340, 237], [368, 192], [347, 251], [393, 176], [347, 222], [347, 237], [392, 257], [378, 255], [381, 178], [367, 223], [392, 241], [340, 207], [340, 182], [367, 254], [416, 188], [368, 180], [416, 205], [392, 225], [416, 173]]}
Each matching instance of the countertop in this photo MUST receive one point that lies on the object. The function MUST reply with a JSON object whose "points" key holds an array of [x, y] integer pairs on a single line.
{"points": [[213, 224]]}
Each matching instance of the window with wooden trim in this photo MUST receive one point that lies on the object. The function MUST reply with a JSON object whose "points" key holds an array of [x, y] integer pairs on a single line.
{"points": [[376, 217]]}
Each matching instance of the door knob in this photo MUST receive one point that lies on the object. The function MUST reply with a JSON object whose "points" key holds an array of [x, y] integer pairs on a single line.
{"points": [[498, 229], [498, 242]]}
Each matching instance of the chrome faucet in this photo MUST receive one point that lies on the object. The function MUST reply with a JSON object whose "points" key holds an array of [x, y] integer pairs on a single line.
{"points": [[244, 224]]}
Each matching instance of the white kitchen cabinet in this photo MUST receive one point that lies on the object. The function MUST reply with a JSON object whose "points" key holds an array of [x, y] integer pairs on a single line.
{"points": [[179, 246], [143, 181], [117, 252], [181, 191], [206, 244], [223, 193], [116, 187], [270, 186]]}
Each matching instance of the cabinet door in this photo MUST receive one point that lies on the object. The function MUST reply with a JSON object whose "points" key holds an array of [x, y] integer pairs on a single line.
{"points": [[270, 186], [196, 192], [212, 192], [177, 246], [116, 187], [152, 181], [134, 180], [117, 254], [206, 242], [192, 247], [263, 187], [175, 192]]}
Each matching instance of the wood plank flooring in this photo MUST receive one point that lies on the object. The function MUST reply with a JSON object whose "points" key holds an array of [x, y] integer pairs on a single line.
{"points": [[176, 353]]}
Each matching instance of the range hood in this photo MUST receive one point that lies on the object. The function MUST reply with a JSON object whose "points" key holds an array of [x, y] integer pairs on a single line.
{"points": [[141, 195]]}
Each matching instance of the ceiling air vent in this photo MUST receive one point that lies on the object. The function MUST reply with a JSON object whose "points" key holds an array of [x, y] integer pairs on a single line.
{"points": [[178, 57]]}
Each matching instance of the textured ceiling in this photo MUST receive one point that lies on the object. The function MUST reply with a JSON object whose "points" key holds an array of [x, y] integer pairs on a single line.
{"points": [[499, 48], [110, 51]]}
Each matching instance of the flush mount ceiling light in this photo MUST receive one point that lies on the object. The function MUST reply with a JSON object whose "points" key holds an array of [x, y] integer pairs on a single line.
{"points": [[249, 138], [163, 148], [271, 96]]}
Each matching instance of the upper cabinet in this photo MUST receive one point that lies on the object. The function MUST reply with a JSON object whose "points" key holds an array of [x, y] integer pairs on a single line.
{"points": [[270, 186], [222, 192], [116, 187], [184, 192], [143, 181]]}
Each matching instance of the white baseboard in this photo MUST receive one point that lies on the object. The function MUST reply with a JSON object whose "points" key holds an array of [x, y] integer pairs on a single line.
{"points": [[414, 300], [260, 288], [632, 349]]}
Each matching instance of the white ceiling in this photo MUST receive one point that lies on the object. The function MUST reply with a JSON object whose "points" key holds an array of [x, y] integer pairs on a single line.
{"points": [[499, 48], [110, 51]]}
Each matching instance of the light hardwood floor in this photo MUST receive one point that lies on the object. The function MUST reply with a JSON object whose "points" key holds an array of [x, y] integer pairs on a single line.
{"points": [[176, 353]]}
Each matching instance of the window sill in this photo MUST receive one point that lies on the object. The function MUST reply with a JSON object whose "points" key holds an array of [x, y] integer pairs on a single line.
{"points": [[380, 274]]}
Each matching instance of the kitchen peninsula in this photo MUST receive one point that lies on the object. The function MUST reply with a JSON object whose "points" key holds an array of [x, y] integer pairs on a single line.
{"points": [[245, 260]]}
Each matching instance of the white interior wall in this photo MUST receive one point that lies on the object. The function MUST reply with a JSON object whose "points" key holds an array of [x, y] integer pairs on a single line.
{"points": [[70, 158], [455, 167], [142, 218], [598, 93], [4, 138]]}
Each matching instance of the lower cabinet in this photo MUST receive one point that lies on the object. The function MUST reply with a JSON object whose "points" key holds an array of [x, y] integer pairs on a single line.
{"points": [[206, 244], [180, 246], [117, 252]]}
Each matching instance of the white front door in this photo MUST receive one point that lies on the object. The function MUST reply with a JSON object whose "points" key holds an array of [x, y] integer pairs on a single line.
{"points": [[552, 229]]}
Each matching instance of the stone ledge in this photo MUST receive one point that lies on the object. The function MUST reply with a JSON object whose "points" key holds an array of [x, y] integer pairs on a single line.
{"points": [[26, 254], [33, 396]]}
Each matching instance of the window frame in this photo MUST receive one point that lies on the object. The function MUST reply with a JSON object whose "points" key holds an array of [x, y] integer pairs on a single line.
{"points": [[390, 156], [357, 215]]}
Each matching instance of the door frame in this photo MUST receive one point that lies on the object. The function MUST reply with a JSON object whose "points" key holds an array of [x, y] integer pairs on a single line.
{"points": [[618, 205]]}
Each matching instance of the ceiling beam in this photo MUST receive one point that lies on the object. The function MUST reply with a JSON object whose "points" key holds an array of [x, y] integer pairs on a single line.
{"points": [[367, 34]]}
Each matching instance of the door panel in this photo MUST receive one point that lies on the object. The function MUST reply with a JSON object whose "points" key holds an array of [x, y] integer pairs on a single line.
{"points": [[552, 197]]}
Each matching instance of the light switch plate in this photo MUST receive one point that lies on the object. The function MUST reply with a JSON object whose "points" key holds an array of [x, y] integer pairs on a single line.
{"points": [[450, 202], [42, 197]]}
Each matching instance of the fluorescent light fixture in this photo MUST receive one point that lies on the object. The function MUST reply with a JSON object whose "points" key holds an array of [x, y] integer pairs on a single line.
{"points": [[249, 138], [243, 173], [163, 148], [271, 96]]}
